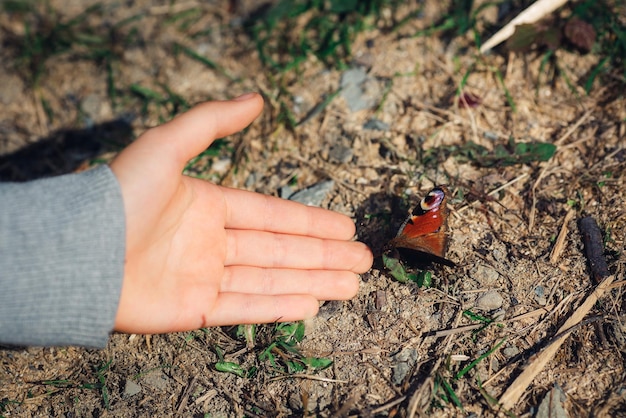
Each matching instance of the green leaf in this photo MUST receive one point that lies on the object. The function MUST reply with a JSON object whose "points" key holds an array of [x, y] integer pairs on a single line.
{"points": [[475, 317], [448, 389], [424, 279], [397, 271], [534, 151], [475, 362], [230, 367], [317, 363], [268, 355], [290, 333], [295, 366], [506, 154]]}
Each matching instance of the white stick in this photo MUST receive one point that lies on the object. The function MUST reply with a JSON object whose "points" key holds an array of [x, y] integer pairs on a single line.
{"points": [[532, 14]]}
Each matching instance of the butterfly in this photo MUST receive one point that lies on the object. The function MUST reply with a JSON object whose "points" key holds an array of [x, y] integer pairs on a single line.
{"points": [[423, 237]]}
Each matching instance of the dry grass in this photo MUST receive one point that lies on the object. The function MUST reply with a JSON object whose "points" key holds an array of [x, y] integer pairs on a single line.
{"points": [[504, 227]]}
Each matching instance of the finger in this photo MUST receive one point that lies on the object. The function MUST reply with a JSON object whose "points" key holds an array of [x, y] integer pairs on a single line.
{"points": [[265, 249], [192, 132], [247, 210], [241, 308], [321, 284]]}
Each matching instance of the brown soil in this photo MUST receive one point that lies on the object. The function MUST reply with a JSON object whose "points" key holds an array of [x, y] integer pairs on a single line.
{"points": [[389, 353]]}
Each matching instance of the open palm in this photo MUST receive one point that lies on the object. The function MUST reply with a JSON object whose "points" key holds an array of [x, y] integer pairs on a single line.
{"points": [[201, 255]]}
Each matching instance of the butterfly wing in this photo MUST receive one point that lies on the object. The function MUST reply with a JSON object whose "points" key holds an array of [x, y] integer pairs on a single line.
{"points": [[423, 236]]}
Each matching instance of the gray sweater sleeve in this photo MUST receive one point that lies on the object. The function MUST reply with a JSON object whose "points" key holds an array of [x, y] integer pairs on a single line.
{"points": [[62, 248]]}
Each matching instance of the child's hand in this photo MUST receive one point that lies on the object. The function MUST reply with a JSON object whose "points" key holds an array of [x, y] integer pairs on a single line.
{"points": [[201, 255]]}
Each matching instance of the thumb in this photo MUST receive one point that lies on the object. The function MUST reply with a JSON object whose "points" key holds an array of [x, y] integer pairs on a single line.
{"points": [[190, 133]]}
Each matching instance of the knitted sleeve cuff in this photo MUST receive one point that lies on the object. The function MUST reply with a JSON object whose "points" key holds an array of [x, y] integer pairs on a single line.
{"points": [[62, 248]]}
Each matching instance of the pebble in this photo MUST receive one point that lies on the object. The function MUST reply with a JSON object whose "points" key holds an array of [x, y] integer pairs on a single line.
{"points": [[485, 275], [376, 125], [404, 362], [552, 404], [131, 388], [314, 195], [250, 180], [156, 380], [340, 154], [510, 352], [489, 301], [540, 295], [221, 166], [358, 90], [285, 192]]}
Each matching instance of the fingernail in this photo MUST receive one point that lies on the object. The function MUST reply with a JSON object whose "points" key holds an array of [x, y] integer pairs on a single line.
{"points": [[244, 97]]}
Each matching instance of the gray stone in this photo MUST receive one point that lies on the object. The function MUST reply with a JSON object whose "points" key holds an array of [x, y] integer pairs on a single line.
{"points": [[358, 90], [131, 389], [540, 295], [404, 362], [485, 275], [250, 180], [340, 153], [552, 404], [11, 88], [314, 195], [376, 125], [489, 301], [510, 351], [285, 192]]}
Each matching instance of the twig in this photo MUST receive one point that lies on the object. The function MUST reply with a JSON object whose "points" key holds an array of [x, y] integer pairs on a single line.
{"points": [[309, 377], [558, 246], [573, 128], [532, 14], [599, 271], [446, 332], [493, 192], [185, 398], [388, 405]]}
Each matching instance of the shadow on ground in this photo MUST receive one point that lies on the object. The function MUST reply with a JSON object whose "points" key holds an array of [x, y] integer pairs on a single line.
{"points": [[64, 151]]}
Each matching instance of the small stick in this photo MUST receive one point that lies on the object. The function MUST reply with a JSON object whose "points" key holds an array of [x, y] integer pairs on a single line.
{"points": [[532, 14], [560, 241], [599, 271], [186, 393], [493, 192]]}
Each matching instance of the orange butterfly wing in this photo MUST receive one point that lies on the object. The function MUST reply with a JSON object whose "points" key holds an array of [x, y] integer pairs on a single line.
{"points": [[425, 231]]}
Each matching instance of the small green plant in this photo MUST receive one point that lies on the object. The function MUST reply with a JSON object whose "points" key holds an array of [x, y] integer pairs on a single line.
{"points": [[473, 364], [578, 203], [5, 402], [503, 155], [229, 366], [422, 278], [283, 354], [100, 385], [167, 104], [444, 390], [178, 48], [248, 332], [289, 31], [605, 175]]}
